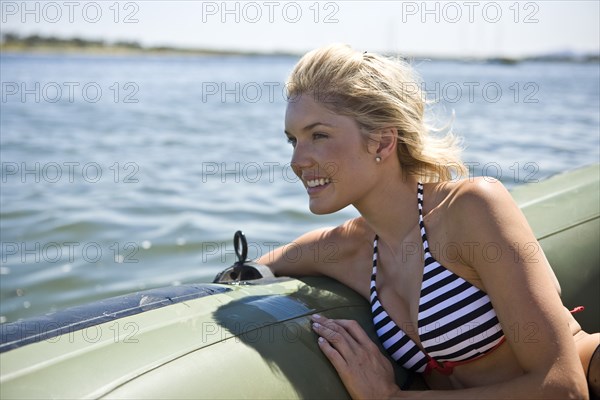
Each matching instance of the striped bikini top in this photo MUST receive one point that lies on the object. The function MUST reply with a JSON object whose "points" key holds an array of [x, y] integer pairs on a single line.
{"points": [[456, 322]]}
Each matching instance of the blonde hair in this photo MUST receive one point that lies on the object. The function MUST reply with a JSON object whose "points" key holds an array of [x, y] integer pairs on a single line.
{"points": [[379, 92]]}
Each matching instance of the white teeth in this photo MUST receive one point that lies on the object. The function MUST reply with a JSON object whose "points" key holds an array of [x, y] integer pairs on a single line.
{"points": [[317, 182]]}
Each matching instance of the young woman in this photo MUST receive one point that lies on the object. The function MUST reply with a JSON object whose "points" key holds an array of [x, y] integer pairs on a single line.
{"points": [[419, 251]]}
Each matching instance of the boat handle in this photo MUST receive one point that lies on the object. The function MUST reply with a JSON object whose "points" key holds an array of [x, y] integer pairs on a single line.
{"points": [[239, 240]]}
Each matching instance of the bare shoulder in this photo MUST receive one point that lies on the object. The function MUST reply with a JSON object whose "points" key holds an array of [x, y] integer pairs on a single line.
{"points": [[468, 199], [473, 189], [351, 233], [355, 229], [482, 216], [350, 247], [352, 238], [328, 251], [481, 189], [478, 213]]}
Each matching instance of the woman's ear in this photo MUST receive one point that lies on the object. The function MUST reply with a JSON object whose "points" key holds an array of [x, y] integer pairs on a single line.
{"points": [[383, 142]]}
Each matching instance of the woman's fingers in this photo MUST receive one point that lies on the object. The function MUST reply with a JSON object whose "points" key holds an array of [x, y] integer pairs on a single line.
{"points": [[335, 334], [365, 372], [345, 336], [353, 332], [356, 331], [334, 357]]}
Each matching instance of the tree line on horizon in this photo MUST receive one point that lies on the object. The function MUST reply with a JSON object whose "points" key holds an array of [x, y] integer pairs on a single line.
{"points": [[35, 40], [11, 39]]}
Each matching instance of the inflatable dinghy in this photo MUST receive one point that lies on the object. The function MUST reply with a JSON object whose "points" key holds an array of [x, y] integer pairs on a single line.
{"points": [[247, 335]]}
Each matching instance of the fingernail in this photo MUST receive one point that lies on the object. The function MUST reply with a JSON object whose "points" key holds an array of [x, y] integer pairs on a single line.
{"points": [[316, 325], [316, 316], [321, 340]]}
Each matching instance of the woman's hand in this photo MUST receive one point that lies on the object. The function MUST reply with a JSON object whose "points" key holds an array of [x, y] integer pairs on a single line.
{"points": [[366, 373]]}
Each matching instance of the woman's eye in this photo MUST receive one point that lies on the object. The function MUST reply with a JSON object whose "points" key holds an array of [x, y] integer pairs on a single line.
{"points": [[318, 135], [291, 141]]}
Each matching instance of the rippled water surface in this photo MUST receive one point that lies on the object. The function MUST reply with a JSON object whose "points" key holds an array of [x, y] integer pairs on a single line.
{"points": [[125, 173]]}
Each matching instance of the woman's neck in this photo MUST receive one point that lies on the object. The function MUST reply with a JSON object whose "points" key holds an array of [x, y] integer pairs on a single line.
{"points": [[391, 208]]}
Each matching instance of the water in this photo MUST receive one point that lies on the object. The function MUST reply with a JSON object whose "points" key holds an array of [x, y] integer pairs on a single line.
{"points": [[126, 173]]}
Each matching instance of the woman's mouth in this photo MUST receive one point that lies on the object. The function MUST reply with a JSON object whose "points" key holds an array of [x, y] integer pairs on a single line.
{"points": [[317, 184]]}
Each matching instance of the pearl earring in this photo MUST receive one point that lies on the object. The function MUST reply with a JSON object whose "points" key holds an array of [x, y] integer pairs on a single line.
{"points": [[378, 159]]}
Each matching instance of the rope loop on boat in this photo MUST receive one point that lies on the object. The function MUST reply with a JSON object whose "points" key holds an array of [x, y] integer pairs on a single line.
{"points": [[239, 240], [242, 270]]}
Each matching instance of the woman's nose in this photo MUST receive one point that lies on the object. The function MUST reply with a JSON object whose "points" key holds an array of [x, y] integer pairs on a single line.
{"points": [[301, 159]]}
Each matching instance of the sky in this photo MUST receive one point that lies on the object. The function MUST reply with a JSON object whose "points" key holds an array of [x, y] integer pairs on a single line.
{"points": [[418, 28]]}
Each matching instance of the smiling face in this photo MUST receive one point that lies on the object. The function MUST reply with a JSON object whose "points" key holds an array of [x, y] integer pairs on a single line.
{"points": [[330, 155]]}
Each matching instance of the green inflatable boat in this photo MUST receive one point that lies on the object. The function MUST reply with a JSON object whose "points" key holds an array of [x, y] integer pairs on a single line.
{"points": [[249, 336]]}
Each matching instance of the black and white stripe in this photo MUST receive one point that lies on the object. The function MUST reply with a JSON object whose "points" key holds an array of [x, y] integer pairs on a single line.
{"points": [[456, 320]]}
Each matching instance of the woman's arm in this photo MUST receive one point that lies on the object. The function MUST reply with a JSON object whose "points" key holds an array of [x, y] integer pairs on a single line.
{"points": [[522, 291], [326, 251], [302, 257], [484, 217]]}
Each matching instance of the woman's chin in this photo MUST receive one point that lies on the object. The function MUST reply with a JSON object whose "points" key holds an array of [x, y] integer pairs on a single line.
{"points": [[322, 209]]}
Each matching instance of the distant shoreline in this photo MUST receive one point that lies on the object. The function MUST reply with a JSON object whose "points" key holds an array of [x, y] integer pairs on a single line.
{"points": [[14, 43], [124, 51], [34, 44]]}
